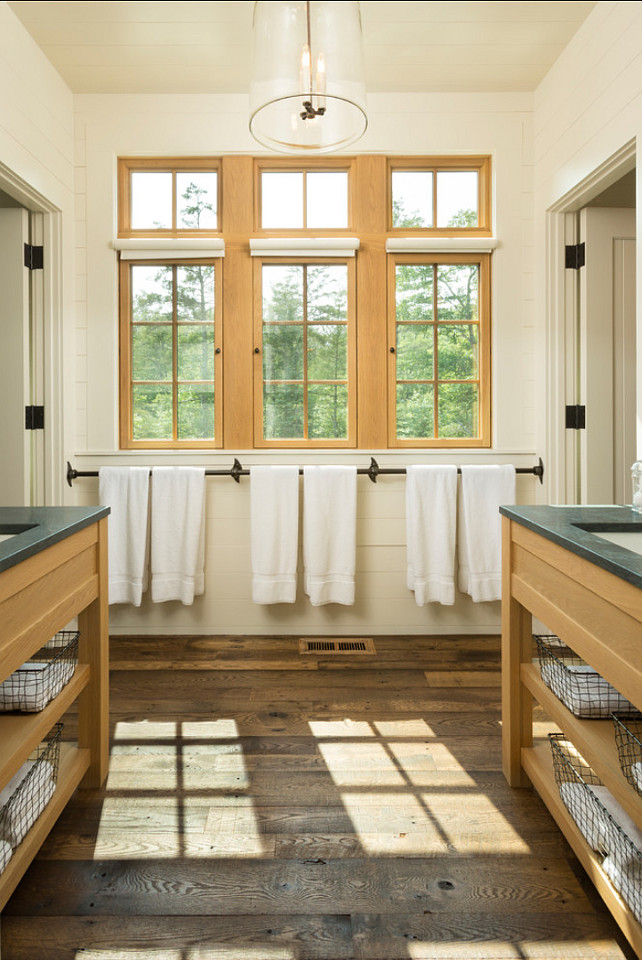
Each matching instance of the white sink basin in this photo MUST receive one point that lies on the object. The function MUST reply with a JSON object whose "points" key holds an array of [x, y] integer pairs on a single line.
{"points": [[631, 539]]}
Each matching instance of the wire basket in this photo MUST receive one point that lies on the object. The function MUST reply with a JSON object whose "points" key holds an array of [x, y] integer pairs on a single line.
{"points": [[33, 685], [592, 807], [628, 737], [30, 790], [581, 688]]}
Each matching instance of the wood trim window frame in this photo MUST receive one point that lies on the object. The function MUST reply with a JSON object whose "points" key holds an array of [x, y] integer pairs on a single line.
{"points": [[483, 440], [303, 165], [304, 442], [129, 165], [126, 382]]}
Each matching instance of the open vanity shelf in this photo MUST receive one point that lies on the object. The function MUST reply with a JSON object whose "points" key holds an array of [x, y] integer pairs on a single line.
{"points": [[598, 613], [61, 573]]}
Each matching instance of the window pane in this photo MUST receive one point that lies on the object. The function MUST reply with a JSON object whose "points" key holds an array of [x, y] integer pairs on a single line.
{"points": [[283, 352], [412, 198], [196, 200], [152, 411], [151, 294], [457, 198], [151, 352], [281, 201], [327, 199], [282, 294], [457, 351], [195, 353], [458, 292], [328, 352], [414, 292], [327, 412], [327, 293], [195, 293], [414, 351], [458, 410], [415, 410], [195, 413], [151, 201], [282, 411]]}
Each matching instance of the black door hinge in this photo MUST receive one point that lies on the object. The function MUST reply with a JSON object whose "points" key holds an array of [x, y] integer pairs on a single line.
{"points": [[575, 256], [34, 418], [34, 257], [576, 417]]}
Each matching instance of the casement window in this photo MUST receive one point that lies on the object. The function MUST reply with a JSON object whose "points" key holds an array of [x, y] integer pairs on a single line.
{"points": [[170, 364], [439, 368], [305, 355], [275, 303]]}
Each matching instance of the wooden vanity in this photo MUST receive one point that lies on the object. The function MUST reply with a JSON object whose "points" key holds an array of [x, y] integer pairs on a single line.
{"points": [[588, 591], [53, 569]]}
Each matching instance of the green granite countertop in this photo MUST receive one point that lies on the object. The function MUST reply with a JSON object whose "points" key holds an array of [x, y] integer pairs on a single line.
{"points": [[28, 530], [578, 528]]}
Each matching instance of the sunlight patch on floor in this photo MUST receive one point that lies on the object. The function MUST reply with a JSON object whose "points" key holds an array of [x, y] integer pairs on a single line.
{"points": [[340, 728], [217, 952]]}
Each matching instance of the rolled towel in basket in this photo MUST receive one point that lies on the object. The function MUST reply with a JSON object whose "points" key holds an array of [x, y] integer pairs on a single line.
{"points": [[5, 854], [24, 798]]}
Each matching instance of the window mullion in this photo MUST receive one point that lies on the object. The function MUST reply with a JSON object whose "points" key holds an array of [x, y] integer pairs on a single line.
{"points": [[175, 352], [305, 353], [435, 349]]}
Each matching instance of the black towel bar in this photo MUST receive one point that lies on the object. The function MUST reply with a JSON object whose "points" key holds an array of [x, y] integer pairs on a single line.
{"points": [[237, 471]]}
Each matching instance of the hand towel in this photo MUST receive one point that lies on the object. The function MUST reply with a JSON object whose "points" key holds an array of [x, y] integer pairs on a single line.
{"points": [[5, 854], [126, 491], [274, 522], [431, 525], [583, 690], [29, 790], [483, 490], [34, 684], [178, 533], [329, 533]]}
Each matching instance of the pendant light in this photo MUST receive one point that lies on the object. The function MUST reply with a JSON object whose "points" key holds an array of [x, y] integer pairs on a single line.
{"points": [[307, 93]]}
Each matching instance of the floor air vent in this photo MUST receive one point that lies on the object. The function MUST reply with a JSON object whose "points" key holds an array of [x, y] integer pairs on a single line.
{"points": [[336, 646]]}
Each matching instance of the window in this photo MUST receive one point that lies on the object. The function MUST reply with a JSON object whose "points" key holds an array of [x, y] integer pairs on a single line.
{"points": [[439, 365], [260, 307], [305, 366], [449, 197], [157, 198], [169, 329]]}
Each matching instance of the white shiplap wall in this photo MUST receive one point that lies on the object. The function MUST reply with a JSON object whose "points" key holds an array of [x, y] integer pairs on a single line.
{"points": [[191, 125]]}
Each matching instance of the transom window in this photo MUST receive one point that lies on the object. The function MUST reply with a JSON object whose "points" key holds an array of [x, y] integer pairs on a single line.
{"points": [[303, 199], [448, 197], [163, 198]]}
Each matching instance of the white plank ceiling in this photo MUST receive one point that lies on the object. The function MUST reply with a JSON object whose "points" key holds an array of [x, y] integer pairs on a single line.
{"points": [[163, 46]]}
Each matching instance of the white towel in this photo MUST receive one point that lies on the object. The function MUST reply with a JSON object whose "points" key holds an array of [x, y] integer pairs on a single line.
{"points": [[34, 684], [126, 491], [30, 790], [5, 854], [431, 524], [483, 490], [274, 521], [583, 690], [626, 876], [329, 533], [636, 770], [178, 533]]}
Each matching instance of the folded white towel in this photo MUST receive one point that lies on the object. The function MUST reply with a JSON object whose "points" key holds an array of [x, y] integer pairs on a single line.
{"points": [[583, 690], [274, 522], [626, 876], [126, 491], [33, 788], [34, 684], [431, 525], [636, 770], [483, 490], [178, 533], [5, 854], [329, 533], [590, 819]]}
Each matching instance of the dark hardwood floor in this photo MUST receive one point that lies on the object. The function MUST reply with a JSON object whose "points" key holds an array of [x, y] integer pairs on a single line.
{"points": [[267, 805]]}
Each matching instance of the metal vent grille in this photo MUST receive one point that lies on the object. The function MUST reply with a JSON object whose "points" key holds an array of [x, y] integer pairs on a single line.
{"points": [[337, 646]]}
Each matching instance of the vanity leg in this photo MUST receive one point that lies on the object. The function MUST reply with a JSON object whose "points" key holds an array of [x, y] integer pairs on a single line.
{"points": [[517, 703]]}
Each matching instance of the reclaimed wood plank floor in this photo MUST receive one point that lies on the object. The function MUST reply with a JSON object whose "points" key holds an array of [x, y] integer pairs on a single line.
{"points": [[267, 805]]}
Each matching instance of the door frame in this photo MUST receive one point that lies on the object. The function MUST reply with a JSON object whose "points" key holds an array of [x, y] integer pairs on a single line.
{"points": [[562, 302], [49, 480]]}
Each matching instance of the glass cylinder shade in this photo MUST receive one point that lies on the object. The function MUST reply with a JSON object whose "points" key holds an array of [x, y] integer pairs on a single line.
{"points": [[307, 93]]}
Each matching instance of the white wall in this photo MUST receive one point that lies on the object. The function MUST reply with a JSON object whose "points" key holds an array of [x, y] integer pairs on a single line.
{"points": [[586, 110], [37, 168], [107, 127]]}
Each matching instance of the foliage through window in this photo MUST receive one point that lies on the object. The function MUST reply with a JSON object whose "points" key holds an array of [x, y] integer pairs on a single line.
{"points": [[449, 197], [306, 352]]}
